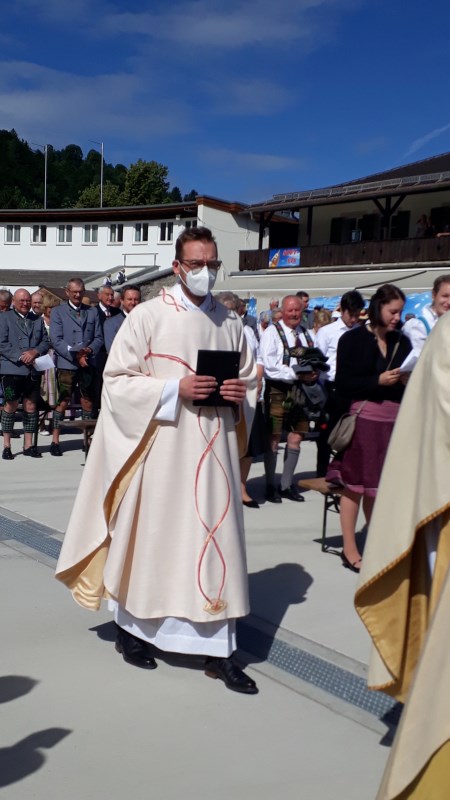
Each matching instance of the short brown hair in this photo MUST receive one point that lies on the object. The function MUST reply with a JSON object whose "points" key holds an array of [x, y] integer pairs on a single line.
{"points": [[200, 234], [130, 287]]}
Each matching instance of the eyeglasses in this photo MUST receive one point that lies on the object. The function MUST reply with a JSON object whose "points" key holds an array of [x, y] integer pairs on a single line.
{"points": [[195, 266]]}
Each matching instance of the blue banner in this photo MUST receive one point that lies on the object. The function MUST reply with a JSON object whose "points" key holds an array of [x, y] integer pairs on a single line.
{"points": [[284, 257]]}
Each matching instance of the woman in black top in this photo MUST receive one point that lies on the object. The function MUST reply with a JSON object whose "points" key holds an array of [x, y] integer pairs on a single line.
{"points": [[367, 372]]}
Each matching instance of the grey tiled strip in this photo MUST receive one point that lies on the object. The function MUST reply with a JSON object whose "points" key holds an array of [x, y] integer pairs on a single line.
{"points": [[328, 680]]}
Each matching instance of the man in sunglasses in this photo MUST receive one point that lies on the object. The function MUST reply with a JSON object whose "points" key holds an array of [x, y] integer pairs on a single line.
{"points": [[158, 526]]}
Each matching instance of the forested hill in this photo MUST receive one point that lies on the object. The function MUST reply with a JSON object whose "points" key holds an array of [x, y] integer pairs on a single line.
{"points": [[73, 180]]}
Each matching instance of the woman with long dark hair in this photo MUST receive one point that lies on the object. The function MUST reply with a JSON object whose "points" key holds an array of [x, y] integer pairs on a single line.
{"points": [[369, 378]]}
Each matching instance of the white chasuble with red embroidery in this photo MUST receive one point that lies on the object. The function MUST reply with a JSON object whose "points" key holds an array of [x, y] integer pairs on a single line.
{"points": [[158, 523]]}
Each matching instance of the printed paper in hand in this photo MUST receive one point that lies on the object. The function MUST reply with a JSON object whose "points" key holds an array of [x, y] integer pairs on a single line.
{"points": [[43, 362], [409, 362]]}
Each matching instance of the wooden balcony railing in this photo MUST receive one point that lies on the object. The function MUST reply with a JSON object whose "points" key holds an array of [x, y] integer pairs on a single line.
{"points": [[399, 251]]}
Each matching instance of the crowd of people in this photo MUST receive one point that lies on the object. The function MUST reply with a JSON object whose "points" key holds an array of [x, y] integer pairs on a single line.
{"points": [[75, 336], [355, 361], [313, 366]]}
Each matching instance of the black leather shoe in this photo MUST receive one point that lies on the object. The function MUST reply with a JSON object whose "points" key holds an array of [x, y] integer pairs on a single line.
{"points": [[7, 455], [292, 494], [250, 503], [354, 567], [55, 449], [273, 495], [134, 651], [233, 677], [33, 452]]}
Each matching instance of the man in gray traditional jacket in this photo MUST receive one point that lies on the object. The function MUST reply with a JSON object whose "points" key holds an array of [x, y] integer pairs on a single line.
{"points": [[22, 340], [76, 337]]}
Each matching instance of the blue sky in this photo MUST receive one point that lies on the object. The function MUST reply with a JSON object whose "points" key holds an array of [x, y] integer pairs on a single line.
{"points": [[241, 99]]}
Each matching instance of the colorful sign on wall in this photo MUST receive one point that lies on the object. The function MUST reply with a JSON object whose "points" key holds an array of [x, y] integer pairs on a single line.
{"points": [[284, 257]]}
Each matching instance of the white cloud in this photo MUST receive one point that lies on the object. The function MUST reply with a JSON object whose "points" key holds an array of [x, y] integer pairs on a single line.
{"points": [[261, 162], [242, 96], [229, 25], [423, 140], [46, 105]]}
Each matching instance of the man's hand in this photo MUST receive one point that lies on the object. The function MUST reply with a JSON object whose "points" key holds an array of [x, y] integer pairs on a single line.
{"points": [[196, 387], [28, 356], [234, 390], [81, 356]]}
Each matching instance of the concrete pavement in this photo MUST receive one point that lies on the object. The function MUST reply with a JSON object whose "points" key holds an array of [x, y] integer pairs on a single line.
{"points": [[80, 723]]}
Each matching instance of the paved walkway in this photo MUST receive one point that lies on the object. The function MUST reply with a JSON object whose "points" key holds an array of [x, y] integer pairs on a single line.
{"points": [[79, 723]]}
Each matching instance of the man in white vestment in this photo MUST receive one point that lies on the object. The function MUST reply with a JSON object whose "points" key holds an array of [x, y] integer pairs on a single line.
{"points": [[157, 527]]}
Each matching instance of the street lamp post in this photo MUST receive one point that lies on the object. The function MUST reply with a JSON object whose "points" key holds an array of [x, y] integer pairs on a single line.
{"points": [[45, 149], [101, 169]]}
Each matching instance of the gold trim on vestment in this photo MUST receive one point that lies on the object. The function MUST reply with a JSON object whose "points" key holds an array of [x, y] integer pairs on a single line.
{"points": [[85, 579], [124, 477], [215, 606], [397, 609]]}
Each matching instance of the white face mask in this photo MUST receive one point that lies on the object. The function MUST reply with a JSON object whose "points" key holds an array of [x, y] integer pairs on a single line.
{"points": [[201, 283]]}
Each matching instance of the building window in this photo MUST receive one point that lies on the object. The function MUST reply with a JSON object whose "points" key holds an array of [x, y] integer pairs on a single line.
{"points": [[13, 234], [90, 234], [64, 234], [166, 232], [400, 225], [39, 234], [115, 233], [141, 232], [190, 223]]}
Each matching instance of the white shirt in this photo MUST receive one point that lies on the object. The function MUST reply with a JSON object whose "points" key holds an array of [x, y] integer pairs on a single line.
{"points": [[252, 342], [106, 310], [327, 339], [416, 330], [271, 351]]}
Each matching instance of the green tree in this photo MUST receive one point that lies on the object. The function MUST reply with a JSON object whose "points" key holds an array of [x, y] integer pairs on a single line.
{"points": [[73, 180], [90, 196], [146, 183], [191, 195], [12, 197], [174, 195]]}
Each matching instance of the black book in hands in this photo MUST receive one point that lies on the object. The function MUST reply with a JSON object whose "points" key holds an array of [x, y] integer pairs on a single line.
{"points": [[222, 365]]}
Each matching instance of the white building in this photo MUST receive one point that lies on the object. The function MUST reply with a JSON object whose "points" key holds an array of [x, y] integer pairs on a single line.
{"points": [[87, 242]]}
